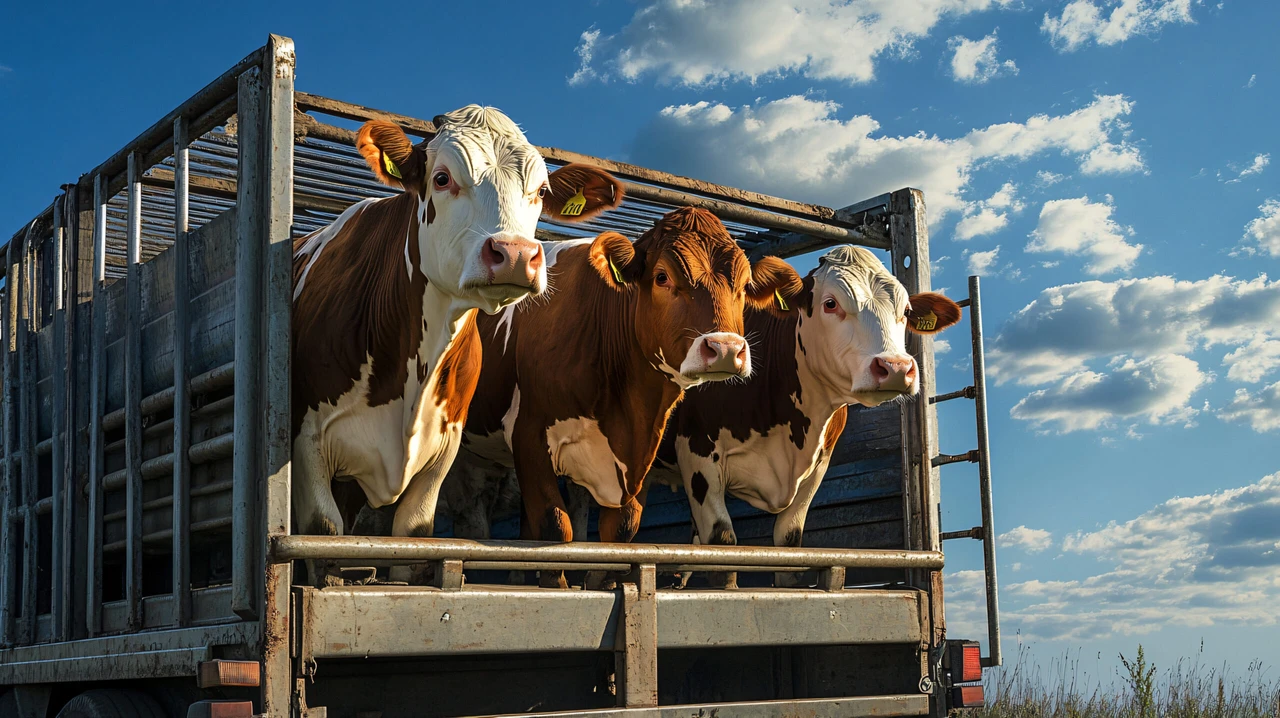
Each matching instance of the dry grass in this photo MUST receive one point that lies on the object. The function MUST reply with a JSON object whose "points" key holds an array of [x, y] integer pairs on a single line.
{"points": [[1186, 690]]}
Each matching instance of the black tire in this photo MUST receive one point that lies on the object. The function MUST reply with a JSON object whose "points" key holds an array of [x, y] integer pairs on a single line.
{"points": [[8, 705], [112, 703]]}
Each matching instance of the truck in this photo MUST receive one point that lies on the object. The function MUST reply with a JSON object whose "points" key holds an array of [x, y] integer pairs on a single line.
{"points": [[145, 530]]}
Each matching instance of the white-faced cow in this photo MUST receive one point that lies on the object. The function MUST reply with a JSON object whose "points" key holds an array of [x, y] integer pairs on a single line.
{"points": [[768, 441], [581, 385], [385, 349]]}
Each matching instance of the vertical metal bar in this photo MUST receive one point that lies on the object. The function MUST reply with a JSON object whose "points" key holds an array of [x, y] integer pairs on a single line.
{"points": [[79, 293], [97, 402], [248, 389], [9, 504], [59, 602], [278, 76], [133, 396], [26, 433], [984, 473], [181, 387], [637, 641]]}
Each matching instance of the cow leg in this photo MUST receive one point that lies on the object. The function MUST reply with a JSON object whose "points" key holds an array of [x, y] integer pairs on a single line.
{"points": [[469, 491], [315, 510], [788, 526], [416, 517], [545, 517], [704, 485], [619, 526]]}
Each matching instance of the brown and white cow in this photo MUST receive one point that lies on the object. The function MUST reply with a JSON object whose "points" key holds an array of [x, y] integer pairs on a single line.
{"points": [[768, 441], [385, 349], [581, 384]]}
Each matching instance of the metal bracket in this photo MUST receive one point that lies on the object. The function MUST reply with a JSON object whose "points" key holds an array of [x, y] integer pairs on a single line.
{"points": [[449, 575], [636, 650], [831, 578]]}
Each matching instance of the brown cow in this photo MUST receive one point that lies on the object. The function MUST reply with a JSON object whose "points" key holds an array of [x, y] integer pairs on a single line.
{"points": [[384, 342], [580, 385]]}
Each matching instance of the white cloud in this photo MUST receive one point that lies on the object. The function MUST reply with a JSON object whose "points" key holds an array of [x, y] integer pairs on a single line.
{"points": [[705, 41], [1045, 178], [1156, 390], [586, 51], [1253, 80], [1253, 361], [1255, 167], [1200, 562], [1112, 159], [1029, 540], [982, 263], [1082, 21], [990, 215], [798, 147], [1264, 230], [1260, 411], [941, 346], [1080, 227], [975, 61]]}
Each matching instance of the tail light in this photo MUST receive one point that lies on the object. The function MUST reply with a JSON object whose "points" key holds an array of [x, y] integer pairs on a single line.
{"points": [[966, 661], [967, 697]]}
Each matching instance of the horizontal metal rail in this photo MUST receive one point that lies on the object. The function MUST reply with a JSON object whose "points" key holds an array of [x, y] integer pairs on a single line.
{"points": [[974, 533], [944, 459], [411, 550], [217, 378], [966, 393]]}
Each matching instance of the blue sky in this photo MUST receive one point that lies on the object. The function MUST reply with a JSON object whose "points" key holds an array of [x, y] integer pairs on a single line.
{"points": [[1115, 152]]}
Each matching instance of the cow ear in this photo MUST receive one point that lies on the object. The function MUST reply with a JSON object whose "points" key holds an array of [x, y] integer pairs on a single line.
{"points": [[615, 260], [774, 287], [931, 312], [392, 157], [580, 192]]}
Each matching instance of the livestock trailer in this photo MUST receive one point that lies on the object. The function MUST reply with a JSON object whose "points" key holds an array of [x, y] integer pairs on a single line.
{"points": [[145, 526]]}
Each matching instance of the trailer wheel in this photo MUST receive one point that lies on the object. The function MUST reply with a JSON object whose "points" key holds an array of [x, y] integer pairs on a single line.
{"points": [[112, 703]]}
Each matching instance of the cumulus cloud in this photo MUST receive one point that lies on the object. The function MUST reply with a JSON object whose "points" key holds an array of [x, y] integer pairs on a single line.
{"points": [[982, 263], [1263, 231], [990, 215], [1260, 411], [798, 147], [1109, 22], [1255, 167], [975, 61], [1029, 540], [1156, 390], [1253, 361], [1200, 561], [1045, 178], [1079, 227], [941, 346], [1112, 159], [696, 43]]}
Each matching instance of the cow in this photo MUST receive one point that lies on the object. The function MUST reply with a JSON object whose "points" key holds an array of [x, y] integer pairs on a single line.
{"points": [[581, 384], [385, 350], [768, 441]]}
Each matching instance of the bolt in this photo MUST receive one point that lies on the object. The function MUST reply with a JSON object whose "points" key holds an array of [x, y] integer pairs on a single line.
{"points": [[445, 617]]}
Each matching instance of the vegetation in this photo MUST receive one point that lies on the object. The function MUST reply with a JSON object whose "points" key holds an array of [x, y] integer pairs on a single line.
{"points": [[1187, 689]]}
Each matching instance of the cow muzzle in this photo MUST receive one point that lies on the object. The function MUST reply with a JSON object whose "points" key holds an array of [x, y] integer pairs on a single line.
{"points": [[513, 262], [721, 355], [894, 373]]}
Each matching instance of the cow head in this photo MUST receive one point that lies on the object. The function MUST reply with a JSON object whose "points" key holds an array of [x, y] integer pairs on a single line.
{"points": [[853, 333], [690, 282], [480, 188]]}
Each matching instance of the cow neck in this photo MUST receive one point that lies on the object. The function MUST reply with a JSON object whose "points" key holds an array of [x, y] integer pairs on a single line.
{"points": [[789, 364]]}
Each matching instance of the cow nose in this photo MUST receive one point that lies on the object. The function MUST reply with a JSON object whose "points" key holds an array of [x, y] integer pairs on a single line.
{"points": [[724, 353], [894, 373], [512, 260]]}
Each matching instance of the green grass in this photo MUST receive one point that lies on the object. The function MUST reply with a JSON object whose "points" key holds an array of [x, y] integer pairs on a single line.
{"points": [[1187, 689]]}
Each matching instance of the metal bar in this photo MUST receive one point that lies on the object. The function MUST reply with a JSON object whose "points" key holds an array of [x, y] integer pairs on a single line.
{"points": [[944, 459], [974, 533], [879, 706], [825, 232], [219, 447], [279, 63], [166, 535], [636, 650], [133, 394], [58, 481], [411, 550], [217, 378], [965, 393], [27, 294], [8, 568], [248, 389], [181, 516], [984, 473], [97, 402]]}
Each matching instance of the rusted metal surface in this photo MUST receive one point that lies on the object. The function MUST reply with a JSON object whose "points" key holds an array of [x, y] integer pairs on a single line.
{"points": [[636, 644], [994, 657], [181, 515], [97, 404], [59, 481], [133, 397]]}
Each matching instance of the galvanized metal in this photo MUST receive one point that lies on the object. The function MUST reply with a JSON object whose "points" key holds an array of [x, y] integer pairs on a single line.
{"points": [[883, 706], [27, 433], [59, 480], [97, 403], [133, 397], [8, 501], [636, 644], [984, 473], [181, 515], [965, 393], [944, 459]]}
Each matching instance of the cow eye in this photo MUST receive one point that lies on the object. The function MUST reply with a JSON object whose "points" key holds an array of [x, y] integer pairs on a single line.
{"points": [[662, 279], [543, 191], [441, 180], [829, 306]]}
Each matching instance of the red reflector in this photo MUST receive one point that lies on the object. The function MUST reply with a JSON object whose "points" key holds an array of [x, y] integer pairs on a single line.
{"points": [[971, 668], [967, 697]]}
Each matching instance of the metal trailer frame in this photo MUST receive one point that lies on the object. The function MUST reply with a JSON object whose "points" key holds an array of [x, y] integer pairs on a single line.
{"points": [[260, 616]]}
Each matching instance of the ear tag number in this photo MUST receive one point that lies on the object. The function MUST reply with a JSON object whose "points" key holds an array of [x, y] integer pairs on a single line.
{"points": [[926, 322], [782, 303], [391, 167], [575, 206], [617, 276]]}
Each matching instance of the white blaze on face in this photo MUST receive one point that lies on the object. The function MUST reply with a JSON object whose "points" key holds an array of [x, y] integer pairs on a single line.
{"points": [[858, 318], [483, 182]]}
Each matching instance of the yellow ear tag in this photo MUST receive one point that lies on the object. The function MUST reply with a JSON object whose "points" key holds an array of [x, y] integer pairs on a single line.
{"points": [[782, 303], [575, 206], [926, 322], [391, 167], [617, 276]]}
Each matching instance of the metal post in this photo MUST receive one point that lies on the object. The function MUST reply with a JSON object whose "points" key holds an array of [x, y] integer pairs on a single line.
{"points": [[636, 653], [181, 386], [60, 602], [984, 473], [248, 390], [8, 505], [279, 62], [133, 396], [26, 435], [97, 402]]}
